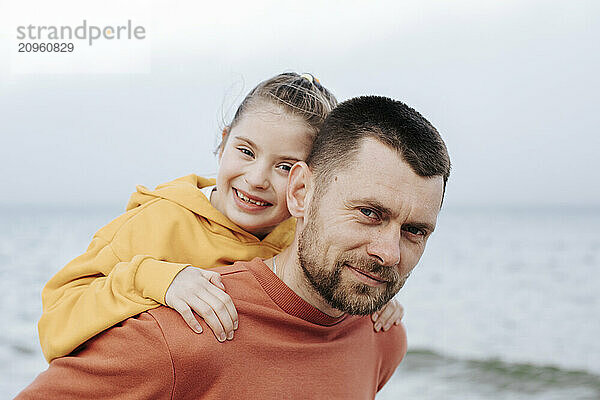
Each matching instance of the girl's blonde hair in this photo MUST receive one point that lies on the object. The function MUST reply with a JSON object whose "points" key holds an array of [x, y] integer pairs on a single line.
{"points": [[301, 95]]}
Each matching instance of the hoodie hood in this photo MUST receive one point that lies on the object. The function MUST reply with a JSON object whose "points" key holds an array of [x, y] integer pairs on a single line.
{"points": [[186, 192]]}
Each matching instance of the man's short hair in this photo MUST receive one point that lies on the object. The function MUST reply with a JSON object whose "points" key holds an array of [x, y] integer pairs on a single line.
{"points": [[391, 122]]}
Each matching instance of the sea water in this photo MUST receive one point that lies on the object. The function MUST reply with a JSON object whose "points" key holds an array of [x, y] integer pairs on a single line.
{"points": [[503, 305]]}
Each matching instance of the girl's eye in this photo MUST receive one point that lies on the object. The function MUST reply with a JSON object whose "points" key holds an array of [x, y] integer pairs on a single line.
{"points": [[285, 167], [246, 151]]}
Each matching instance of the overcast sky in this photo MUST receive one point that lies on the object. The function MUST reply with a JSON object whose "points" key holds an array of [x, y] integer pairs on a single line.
{"points": [[512, 86]]}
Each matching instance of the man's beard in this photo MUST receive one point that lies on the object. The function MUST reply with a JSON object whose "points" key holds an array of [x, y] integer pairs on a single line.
{"points": [[354, 298]]}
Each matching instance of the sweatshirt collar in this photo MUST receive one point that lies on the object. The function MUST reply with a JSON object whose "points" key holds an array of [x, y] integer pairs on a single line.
{"points": [[286, 298]]}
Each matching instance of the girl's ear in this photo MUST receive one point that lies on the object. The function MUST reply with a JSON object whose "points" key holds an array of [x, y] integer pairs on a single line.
{"points": [[223, 140], [299, 180]]}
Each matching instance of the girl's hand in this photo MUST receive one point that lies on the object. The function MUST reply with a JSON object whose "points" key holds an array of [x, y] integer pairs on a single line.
{"points": [[203, 292], [390, 314]]}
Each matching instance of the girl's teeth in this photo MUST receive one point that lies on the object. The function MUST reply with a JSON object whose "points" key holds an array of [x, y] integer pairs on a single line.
{"points": [[247, 200]]}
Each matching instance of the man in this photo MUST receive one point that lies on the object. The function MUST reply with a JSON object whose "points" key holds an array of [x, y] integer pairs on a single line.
{"points": [[366, 201]]}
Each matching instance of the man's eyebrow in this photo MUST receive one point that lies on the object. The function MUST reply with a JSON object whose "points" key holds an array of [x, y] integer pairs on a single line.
{"points": [[383, 210], [377, 206]]}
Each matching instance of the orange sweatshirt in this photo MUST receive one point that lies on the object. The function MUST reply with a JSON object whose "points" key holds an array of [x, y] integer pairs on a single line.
{"points": [[284, 348], [132, 261]]}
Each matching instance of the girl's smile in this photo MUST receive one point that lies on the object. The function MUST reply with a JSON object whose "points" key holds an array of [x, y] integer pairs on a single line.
{"points": [[248, 202]]}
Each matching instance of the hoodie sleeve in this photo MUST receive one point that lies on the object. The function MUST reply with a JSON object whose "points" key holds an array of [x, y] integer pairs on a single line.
{"points": [[120, 275]]}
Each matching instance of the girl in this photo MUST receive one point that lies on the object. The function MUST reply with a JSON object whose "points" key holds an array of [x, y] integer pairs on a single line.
{"points": [[149, 255]]}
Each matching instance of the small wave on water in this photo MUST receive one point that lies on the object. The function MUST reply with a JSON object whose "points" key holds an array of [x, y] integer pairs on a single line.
{"points": [[431, 375]]}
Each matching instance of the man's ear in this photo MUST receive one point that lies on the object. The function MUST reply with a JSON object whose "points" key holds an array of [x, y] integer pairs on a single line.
{"points": [[299, 181], [223, 140]]}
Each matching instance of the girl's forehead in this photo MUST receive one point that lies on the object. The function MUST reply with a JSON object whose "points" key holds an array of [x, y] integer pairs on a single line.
{"points": [[275, 129], [269, 112]]}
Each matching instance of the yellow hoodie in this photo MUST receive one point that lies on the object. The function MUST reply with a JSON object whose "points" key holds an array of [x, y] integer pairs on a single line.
{"points": [[132, 261]]}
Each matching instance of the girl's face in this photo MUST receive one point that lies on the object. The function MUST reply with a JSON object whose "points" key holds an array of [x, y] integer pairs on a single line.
{"points": [[254, 165]]}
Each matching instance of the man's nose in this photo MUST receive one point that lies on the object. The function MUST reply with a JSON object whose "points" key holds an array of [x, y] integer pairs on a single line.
{"points": [[258, 176], [385, 246]]}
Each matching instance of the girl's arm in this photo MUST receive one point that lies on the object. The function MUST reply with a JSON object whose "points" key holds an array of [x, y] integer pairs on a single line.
{"points": [[121, 275], [94, 292]]}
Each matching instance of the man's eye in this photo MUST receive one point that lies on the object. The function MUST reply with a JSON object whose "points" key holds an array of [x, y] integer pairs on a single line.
{"points": [[414, 230], [367, 212], [246, 151]]}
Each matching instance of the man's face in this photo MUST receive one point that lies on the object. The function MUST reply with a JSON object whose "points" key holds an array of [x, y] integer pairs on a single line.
{"points": [[365, 234]]}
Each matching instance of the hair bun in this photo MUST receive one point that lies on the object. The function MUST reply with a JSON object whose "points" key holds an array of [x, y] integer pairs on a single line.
{"points": [[311, 78], [308, 77]]}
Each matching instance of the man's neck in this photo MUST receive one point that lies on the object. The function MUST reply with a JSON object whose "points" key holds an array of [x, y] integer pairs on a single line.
{"points": [[288, 269]]}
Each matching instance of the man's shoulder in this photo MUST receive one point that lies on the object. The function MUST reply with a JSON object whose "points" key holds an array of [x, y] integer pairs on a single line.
{"points": [[239, 281], [240, 268], [396, 336], [235, 269], [392, 344]]}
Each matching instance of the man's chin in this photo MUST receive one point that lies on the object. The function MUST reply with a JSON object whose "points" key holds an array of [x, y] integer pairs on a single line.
{"points": [[359, 299]]}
